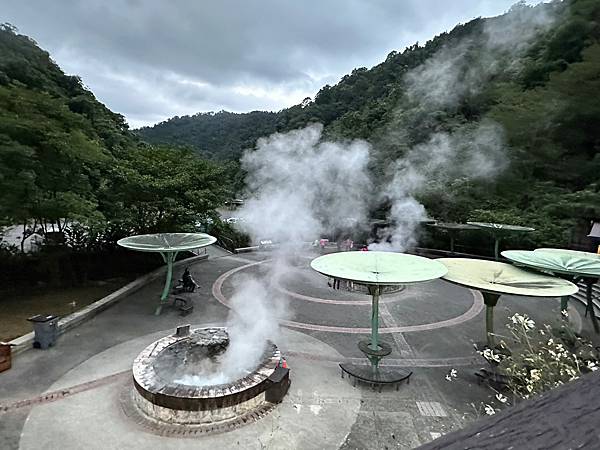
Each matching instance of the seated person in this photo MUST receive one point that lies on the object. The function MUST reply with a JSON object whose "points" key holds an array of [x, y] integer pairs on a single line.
{"points": [[187, 283]]}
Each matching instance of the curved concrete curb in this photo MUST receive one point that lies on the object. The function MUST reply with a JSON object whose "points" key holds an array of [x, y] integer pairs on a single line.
{"points": [[25, 342]]}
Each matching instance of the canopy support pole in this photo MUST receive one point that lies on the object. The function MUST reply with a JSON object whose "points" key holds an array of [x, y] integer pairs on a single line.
{"points": [[497, 240], [169, 258], [564, 300], [490, 299], [375, 291], [564, 305], [589, 309], [372, 348]]}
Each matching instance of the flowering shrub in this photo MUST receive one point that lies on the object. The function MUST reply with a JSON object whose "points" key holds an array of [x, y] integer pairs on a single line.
{"points": [[536, 360]]}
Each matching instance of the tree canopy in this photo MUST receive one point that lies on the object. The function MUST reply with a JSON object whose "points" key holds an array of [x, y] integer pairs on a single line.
{"points": [[67, 162], [534, 71]]}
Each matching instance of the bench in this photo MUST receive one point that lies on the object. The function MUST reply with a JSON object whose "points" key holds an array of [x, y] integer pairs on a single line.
{"points": [[382, 376], [184, 305]]}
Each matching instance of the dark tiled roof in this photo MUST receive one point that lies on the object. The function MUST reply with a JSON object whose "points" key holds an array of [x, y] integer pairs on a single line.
{"points": [[565, 418]]}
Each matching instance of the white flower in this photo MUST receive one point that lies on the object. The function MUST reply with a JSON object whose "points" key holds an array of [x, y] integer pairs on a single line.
{"points": [[489, 410], [564, 313], [501, 398], [525, 321], [452, 374], [592, 366], [535, 374], [490, 355], [517, 318]]}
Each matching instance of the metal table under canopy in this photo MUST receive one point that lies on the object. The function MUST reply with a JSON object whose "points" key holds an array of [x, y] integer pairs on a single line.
{"points": [[168, 245], [571, 265], [493, 279], [453, 229], [377, 270], [498, 231]]}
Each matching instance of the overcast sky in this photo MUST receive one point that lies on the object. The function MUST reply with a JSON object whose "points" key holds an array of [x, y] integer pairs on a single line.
{"points": [[150, 59]]}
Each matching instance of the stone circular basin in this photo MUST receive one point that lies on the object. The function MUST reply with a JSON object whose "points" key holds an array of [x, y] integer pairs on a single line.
{"points": [[179, 380]]}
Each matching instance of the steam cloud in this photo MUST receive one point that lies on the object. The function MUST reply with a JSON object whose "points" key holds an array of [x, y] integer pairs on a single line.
{"points": [[441, 83], [460, 70], [469, 153], [300, 186]]}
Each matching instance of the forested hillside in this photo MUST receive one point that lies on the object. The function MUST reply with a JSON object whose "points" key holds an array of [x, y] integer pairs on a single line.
{"points": [[532, 76], [69, 165], [223, 135]]}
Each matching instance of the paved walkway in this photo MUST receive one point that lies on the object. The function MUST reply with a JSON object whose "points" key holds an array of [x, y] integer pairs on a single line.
{"points": [[431, 327]]}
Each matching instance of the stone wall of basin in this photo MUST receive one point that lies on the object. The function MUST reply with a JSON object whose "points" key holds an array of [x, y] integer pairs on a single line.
{"points": [[172, 402]]}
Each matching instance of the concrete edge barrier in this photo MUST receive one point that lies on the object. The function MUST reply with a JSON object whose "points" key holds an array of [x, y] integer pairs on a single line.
{"points": [[246, 249], [270, 247], [25, 342]]}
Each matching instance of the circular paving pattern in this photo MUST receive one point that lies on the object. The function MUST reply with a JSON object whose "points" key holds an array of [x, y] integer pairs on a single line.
{"points": [[476, 307]]}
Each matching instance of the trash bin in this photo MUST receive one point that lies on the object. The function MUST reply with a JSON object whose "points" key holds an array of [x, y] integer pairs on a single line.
{"points": [[46, 330], [5, 356], [280, 383]]}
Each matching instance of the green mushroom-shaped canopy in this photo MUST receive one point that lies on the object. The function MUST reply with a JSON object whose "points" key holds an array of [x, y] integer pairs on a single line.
{"points": [[500, 226], [557, 261], [378, 268], [167, 242]]}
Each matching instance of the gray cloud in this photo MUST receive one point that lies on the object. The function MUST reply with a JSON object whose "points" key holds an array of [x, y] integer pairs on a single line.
{"points": [[150, 60]]}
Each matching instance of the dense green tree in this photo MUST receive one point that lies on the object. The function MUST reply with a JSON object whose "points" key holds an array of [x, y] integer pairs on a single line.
{"points": [[544, 98], [157, 189], [69, 164]]}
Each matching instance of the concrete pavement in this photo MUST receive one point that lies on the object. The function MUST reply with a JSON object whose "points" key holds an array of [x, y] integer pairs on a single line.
{"points": [[415, 414]]}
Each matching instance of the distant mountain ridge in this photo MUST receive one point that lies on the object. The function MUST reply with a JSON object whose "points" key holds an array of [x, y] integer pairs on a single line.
{"points": [[522, 87], [361, 103], [223, 135], [526, 82]]}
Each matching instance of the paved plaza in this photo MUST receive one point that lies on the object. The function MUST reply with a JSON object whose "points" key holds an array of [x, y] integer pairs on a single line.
{"points": [[74, 395]]}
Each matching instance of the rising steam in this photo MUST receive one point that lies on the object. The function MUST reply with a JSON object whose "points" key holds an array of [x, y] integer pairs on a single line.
{"points": [[470, 151], [300, 185]]}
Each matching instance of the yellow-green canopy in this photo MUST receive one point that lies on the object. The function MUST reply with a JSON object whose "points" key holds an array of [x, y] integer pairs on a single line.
{"points": [[501, 278]]}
